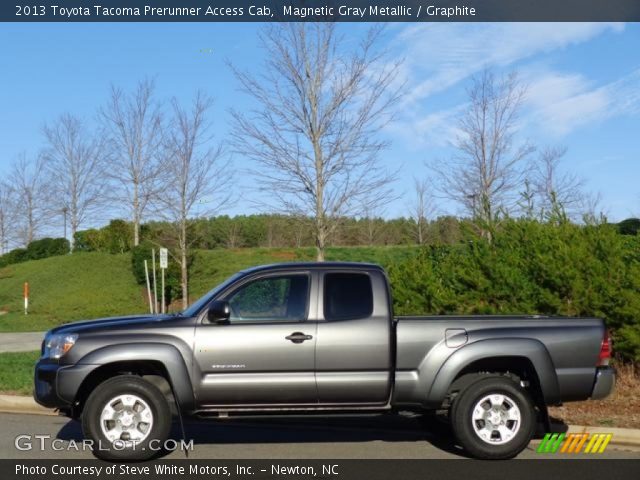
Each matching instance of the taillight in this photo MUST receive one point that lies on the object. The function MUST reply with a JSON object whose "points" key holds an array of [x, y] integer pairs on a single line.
{"points": [[605, 350]]}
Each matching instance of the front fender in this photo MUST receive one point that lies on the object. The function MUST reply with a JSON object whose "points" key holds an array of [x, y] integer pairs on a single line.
{"points": [[72, 377], [530, 349]]}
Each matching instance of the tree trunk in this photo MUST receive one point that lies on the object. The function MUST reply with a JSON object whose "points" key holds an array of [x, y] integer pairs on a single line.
{"points": [[136, 216], [320, 244], [184, 278], [30, 222], [321, 227], [136, 233], [184, 275], [74, 228]]}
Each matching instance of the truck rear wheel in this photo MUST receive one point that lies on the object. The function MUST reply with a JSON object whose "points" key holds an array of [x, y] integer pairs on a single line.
{"points": [[127, 418], [493, 418]]}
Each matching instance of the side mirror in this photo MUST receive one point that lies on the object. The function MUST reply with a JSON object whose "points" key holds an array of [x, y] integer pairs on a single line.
{"points": [[219, 312]]}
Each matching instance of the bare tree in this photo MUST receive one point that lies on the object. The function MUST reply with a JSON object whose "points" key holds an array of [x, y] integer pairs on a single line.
{"points": [[421, 208], [8, 217], [560, 193], [132, 124], [485, 174], [372, 223], [31, 197], [74, 162], [591, 208], [198, 179], [233, 235], [300, 225], [527, 202], [314, 131]]}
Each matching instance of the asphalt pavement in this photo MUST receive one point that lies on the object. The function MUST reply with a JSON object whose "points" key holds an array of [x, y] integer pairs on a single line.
{"points": [[386, 437], [20, 341]]}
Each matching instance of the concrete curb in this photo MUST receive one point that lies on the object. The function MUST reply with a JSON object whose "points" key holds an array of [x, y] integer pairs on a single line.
{"points": [[621, 436], [22, 404]]}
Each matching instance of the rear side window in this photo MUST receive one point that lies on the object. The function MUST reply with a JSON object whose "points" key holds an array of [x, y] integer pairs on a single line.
{"points": [[347, 296]]}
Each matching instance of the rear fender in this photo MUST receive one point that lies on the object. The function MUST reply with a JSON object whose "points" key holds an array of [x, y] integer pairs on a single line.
{"points": [[530, 349]]}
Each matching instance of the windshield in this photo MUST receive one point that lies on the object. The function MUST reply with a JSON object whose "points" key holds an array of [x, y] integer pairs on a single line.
{"points": [[196, 306]]}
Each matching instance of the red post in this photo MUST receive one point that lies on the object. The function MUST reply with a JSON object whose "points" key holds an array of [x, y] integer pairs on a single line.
{"points": [[26, 297]]}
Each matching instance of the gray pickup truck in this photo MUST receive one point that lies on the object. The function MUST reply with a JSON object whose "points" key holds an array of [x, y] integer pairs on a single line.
{"points": [[314, 338]]}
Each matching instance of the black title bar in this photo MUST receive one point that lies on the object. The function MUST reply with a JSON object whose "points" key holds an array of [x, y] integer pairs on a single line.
{"points": [[316, 11], [274, 469]]}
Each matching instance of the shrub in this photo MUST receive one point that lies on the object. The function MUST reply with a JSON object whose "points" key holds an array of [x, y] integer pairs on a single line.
{"points": [[630, 226], [47, 247], [530, 268], [113, 238], [43, 248], [16, 255]]}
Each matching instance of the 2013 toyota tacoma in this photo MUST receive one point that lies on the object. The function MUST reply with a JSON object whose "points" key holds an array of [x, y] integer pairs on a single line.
{"points": [[318, 337]]}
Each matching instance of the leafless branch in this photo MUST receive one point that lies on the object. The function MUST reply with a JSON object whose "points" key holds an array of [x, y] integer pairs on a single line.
{"points": [[8, 217], [198, 178], [314, 133], [29, 193], [75, 166], [132, 125], [485, 174], [561, 193], [422, 207]]}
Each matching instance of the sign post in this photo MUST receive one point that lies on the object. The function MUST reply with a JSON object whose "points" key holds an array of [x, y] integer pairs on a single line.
{"points": [[155, 288], [146, 274], [164, 263], [26, 298]]}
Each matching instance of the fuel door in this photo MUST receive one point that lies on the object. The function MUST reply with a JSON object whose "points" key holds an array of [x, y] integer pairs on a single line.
{"points": [[455, 337]]}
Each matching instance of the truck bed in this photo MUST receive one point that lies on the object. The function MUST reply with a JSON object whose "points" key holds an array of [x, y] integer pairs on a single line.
{"points": [[425, 343]]}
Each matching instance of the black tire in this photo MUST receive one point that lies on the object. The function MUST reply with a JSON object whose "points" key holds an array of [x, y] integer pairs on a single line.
{"points": [[462, 423], [103, 394]]}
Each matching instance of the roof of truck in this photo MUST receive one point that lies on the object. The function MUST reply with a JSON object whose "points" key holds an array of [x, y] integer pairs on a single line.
{"points": [[313, 265]]}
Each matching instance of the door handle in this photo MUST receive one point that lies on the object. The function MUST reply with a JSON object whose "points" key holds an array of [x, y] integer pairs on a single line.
{"points": [[298, 337]]}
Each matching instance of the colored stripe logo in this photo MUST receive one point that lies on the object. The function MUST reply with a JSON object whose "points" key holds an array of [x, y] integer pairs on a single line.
{"points": [[574, 443]]}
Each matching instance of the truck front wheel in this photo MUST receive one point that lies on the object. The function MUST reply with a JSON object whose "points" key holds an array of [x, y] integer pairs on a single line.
{"points": [[127, 418], [493, 418]]}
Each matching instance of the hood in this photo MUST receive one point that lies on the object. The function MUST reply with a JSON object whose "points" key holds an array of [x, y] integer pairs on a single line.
{"points": [[109, 323]]}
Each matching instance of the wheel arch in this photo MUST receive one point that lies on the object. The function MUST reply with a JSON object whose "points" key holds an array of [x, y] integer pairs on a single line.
{"points": [[516, 356], [156, 362]]}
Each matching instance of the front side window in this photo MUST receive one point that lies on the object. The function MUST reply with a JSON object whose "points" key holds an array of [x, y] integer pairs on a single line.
{"points": [[277, 298], [347, 296]]}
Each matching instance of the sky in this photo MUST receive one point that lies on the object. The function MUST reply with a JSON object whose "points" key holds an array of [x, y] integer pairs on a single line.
{"points": [[583, 83]]}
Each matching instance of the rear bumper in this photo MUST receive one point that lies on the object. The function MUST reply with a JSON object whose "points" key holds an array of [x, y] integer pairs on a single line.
{"points": [[604, 384]]}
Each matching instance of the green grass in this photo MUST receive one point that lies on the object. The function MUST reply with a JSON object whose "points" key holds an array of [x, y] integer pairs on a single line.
{"points": [[16, 372], [68, 288], [91, 285]]}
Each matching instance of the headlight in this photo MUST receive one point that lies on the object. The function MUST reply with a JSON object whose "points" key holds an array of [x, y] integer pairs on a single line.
{"points": [[55, 346]]}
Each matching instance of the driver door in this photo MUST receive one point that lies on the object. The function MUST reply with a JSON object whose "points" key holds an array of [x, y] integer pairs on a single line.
{"points": [[265, 354]]}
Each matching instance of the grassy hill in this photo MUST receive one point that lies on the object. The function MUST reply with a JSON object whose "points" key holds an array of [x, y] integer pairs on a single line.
{"points": [[67, 288], [91, 285]]}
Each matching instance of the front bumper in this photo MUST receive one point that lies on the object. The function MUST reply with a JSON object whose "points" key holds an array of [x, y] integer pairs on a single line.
{"points": [[56, 386], [604, 383]]}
